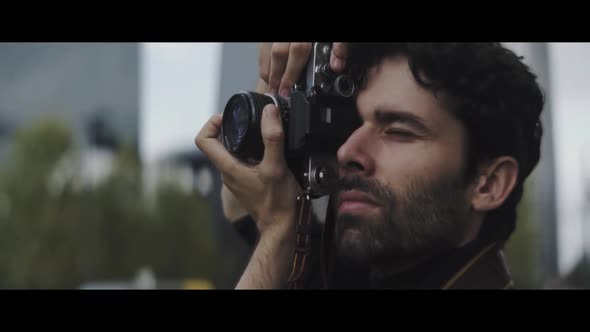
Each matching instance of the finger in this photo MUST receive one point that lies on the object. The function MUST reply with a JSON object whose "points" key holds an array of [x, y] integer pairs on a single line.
{"points": [[273, 160], [207, 141], [298, 57], [262, 87], [279, 55], [338, 57], [264, 61]]}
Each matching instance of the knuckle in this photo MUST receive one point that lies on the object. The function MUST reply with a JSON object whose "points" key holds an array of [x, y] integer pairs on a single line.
{"points": [[272, 173], [264, 73], [280, 50], [300, 49], [274, 135], [199, 141]]}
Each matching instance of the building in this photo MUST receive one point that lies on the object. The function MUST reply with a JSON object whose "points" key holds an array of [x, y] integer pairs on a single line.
{"points": [[92, 87]]}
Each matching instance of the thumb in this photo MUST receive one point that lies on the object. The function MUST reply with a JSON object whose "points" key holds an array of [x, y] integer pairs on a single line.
{"points": [[338, 57], [273, 137]]}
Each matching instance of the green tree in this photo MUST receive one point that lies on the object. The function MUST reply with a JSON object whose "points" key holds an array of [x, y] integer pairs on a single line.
{"points": [[62, 239], [33, 213]]}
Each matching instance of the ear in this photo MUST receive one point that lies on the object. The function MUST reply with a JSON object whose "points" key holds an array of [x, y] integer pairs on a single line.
{"points": [[494, 184]]}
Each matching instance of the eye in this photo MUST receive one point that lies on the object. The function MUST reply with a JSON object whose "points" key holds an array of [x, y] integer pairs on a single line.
{"points": [[399, 133]]}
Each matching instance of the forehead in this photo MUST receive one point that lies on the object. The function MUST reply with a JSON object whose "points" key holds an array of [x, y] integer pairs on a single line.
{"points": [[392, 87]]}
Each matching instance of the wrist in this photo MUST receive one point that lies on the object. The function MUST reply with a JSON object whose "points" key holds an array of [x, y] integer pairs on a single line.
{"points": [[279, 243], [278, 225]]}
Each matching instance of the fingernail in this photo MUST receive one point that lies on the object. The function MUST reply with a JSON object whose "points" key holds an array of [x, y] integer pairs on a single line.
{"points": [[269, 111], [284, 92], [337, 64], [273, 91]]}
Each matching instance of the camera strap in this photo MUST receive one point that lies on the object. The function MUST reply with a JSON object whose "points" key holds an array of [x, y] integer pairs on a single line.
{"points": [[303, 241]]}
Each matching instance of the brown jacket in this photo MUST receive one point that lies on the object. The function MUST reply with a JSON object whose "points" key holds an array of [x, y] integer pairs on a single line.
{"points": [[485, 270]]}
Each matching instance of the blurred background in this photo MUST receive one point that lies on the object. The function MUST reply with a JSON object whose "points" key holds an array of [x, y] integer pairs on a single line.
{"points": [[101, 185]]}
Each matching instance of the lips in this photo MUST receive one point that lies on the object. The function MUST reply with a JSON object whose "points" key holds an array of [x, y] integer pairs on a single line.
{"points": [[355, 201]]}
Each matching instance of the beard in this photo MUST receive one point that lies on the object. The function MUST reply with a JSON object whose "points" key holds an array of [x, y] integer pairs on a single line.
{"points": [[424, 219]]}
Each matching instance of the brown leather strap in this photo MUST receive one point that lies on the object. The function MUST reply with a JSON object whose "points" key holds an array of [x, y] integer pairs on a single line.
{"points": [[327, 236], [303, 241]]}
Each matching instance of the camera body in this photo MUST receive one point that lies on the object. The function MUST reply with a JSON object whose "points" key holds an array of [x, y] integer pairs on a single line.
{"points": [[318, 116]]}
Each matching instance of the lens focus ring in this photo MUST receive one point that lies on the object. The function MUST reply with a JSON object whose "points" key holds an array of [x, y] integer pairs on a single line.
{"points": [[240, 128]]}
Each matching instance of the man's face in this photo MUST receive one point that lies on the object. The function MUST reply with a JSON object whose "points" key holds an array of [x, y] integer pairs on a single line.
{"points": [[402, 192]]}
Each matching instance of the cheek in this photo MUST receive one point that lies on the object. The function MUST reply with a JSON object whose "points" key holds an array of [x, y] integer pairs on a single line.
{"points": [[403, 163]]}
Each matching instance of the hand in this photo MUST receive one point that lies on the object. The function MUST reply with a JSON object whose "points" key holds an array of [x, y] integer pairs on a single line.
{"points": [[268, 191], [232, 208], [281, 64]]}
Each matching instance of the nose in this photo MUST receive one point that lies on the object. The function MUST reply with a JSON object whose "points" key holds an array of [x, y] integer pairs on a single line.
{"points": [[354, 156]]}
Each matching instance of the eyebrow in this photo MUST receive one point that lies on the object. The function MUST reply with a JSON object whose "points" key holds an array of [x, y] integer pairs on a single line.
{"points": [[388, 117]]}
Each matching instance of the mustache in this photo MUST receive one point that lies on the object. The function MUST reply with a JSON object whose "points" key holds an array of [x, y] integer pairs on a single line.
{"points": [[356, 183], [370, 187]]}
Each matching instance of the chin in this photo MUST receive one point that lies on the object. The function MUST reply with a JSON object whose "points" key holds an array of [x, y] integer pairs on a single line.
{"points": [[351, 237], [352, 243]]}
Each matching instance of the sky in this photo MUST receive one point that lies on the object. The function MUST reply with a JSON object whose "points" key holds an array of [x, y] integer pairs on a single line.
{"points": [[570, 70], [179, 90]]}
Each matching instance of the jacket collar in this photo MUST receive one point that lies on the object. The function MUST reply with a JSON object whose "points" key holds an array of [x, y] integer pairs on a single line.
{"points": [[478, 265]]}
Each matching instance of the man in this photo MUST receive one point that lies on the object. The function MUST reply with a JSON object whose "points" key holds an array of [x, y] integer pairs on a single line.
{"points": [[430, 179]]}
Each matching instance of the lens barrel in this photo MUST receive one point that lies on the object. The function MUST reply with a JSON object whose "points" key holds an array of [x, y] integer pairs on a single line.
{"points": [[240, 128]]}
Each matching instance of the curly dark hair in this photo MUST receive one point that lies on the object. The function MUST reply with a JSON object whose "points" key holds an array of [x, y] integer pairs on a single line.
{"points": [[490, 90]]}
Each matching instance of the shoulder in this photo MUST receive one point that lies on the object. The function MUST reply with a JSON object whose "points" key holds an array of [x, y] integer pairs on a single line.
{"points": [[485, 270]]}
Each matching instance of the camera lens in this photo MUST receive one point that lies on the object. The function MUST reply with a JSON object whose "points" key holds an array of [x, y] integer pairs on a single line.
{"points": [[237, 131], [240, 127]]}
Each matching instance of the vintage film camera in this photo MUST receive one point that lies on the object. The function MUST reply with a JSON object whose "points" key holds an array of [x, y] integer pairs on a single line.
{"points": [[318, 116]]}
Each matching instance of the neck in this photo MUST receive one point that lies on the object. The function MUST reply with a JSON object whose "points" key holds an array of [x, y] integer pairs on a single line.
{"points": [[396, 266], [376, 274], [473, 227]]}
